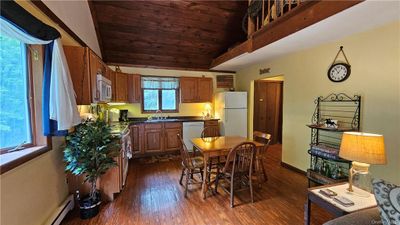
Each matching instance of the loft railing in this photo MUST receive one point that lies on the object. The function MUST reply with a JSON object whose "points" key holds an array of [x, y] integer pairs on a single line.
{"points": [[263, 12]]}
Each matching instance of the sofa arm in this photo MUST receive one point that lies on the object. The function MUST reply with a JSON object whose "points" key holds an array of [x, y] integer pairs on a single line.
{"points": [[363, 217]]}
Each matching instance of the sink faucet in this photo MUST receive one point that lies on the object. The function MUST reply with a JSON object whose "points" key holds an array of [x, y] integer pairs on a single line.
{"points": [[159, 113]]}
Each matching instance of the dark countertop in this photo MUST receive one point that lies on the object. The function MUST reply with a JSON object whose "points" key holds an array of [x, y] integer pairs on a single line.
{"points": [[139, 120], [119, 128]]}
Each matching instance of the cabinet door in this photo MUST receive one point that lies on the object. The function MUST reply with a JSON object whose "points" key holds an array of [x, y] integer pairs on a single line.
{"points": [[134, 89], [135, 138], [153, 140], [78, 64], [95, 68], [171, 139], [188, 86], [121, 87], [204, 89]]}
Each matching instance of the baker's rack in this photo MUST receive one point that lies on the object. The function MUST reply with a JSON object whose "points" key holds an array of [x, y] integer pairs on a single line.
{"points": [[325, 140]]}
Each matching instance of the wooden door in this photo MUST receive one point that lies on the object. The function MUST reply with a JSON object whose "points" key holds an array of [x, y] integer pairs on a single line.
{"points": [[171, 141], [188, 86], [268, 108], [204, 89], [121, 87], [153, 138], [134, 89], [78, 64]]}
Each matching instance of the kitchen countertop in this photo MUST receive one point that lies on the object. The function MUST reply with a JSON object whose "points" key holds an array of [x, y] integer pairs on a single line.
{"points": [[119, 128], [139, 120]]}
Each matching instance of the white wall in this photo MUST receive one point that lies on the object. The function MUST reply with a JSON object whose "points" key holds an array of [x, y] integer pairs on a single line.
{"points": [[76, 15]]}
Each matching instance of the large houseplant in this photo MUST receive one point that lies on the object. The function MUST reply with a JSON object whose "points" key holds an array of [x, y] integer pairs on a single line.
{"points": [[89, 151]]}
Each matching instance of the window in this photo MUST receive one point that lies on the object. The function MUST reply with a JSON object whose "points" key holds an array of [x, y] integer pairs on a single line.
{"points": [[160, 93], [15, 120]]}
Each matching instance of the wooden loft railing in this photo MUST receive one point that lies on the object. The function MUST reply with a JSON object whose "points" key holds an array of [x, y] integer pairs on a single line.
{"points": [[271, 25], [269, 11]]}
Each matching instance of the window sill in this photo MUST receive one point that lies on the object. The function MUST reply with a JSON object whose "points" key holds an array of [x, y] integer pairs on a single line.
{"points": [[9, 161]]}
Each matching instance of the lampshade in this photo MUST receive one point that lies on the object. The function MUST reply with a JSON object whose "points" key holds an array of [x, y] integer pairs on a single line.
{"points": [[363, 147]]}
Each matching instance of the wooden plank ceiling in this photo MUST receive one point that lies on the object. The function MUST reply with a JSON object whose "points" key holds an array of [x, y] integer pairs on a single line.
{"points": [[167, 34]]}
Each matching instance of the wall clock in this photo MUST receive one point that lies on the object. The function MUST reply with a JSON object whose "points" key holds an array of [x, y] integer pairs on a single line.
{"points": [[339, 71]]}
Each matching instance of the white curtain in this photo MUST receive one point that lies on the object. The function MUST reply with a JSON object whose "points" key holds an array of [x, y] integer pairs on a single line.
{"points": [[63, 106], [160, 82]]}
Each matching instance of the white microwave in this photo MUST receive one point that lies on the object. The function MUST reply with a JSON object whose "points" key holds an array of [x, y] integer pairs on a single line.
{"points": [[103, 88]]}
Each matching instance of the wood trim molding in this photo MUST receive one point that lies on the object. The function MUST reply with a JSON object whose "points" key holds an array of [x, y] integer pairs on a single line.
{"points": [[25, 158], [294, 169], [307, 14], [40, 5], [168, 68], [96, 25]]}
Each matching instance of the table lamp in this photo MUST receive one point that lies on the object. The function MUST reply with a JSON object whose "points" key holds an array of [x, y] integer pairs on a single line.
{"points": [[363, 149]]}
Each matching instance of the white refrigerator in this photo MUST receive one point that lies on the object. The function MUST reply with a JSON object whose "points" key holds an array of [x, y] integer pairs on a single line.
{"points": [[231, 109]]}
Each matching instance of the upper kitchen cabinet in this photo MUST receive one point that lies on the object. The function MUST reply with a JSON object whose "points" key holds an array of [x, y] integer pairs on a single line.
{"points": [[134, 88], [196, 89], [84, 65], [78, 63], [121, 87]]}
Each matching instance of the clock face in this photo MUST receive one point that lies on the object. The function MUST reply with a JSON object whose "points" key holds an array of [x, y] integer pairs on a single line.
{"points": [[339, 72]]}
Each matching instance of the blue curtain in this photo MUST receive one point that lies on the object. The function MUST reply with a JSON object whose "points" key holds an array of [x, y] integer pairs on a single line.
{"points": [[49, 125]]}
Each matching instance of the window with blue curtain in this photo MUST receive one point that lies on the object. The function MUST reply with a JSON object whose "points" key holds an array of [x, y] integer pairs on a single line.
{"points": [[15, 121], [160, 93]]}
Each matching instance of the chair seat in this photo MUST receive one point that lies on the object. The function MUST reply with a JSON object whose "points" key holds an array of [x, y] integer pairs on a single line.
{"points": [[197, 162]]}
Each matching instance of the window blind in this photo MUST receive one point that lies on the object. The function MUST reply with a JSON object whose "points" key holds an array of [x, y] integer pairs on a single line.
{"points": [[160, 83]]}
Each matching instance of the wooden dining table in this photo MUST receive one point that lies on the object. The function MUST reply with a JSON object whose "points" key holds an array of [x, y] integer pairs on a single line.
{"points": [[214, 147]]}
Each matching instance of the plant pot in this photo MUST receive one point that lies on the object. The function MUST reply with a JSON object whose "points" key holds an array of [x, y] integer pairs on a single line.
{"points": [[89, 207]]}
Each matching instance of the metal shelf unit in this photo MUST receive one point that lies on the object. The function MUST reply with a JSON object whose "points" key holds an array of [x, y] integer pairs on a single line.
{"points": [[325, 141]]}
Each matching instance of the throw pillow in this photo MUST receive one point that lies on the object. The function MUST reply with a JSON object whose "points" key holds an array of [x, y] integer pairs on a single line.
{"points": [[388, 198]]}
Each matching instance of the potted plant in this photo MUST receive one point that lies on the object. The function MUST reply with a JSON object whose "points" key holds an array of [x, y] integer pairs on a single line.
{"points": [[90, 150]]}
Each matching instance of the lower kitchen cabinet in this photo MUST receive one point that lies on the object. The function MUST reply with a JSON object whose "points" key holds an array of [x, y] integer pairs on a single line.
{"points": [[156, 137], [171, 131]]}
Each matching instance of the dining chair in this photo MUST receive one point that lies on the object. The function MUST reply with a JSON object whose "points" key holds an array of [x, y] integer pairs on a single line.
{"points": [[238, 169], [211, 131], [259, 165], [213, 162], [190, 165]]}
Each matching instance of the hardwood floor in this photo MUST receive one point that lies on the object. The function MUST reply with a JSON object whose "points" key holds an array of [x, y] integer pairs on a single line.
{"points": [[153, 196]]}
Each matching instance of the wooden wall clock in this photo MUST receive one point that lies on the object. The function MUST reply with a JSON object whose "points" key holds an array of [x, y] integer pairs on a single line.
{"points": [[339, 71]]}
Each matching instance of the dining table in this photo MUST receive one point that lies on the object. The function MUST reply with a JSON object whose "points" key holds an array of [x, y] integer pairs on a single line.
{"points": [[215, 147]]}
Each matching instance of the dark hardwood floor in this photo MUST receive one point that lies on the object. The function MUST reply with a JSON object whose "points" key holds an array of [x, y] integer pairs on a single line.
{"points": [[153, 196]]}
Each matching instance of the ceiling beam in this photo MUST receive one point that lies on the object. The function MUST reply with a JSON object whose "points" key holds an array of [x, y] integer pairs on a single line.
{"points": [[308, 13]]}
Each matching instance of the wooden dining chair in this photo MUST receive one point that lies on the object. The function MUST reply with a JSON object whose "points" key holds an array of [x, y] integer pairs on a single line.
{"points": [[213, 162], [190, 165], [259, 165], [211, 131], [238, 169]]}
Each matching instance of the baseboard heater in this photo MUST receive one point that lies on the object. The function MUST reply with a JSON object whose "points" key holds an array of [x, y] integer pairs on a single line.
{"points": [[61, 211]]}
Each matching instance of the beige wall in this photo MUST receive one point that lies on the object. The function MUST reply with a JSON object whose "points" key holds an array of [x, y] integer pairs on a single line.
{"points": [[185, 109], [375, 59], [77, 16], [31, 192]]}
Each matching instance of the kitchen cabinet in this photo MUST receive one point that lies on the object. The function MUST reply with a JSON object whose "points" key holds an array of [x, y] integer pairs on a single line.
{"points": [[157, 137], [84, 65], [134, 88], [121, 87], [153, 137], [196, 89], [204, 89], [136, 136], [171, 141]]}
